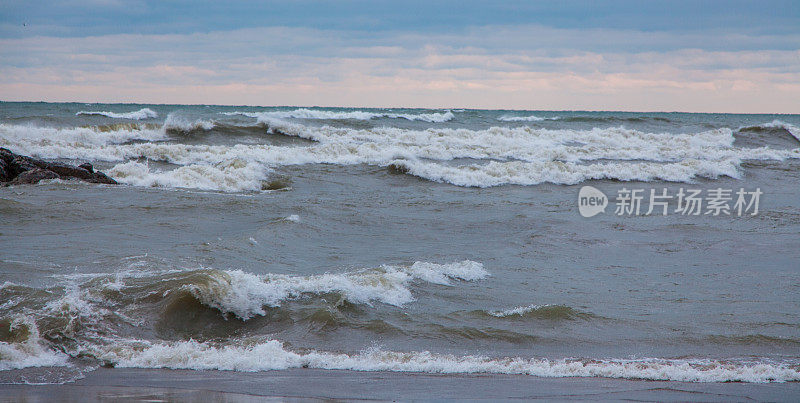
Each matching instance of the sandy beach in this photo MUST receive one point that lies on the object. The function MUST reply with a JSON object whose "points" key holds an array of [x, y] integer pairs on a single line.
{"points": [[316, 385]]}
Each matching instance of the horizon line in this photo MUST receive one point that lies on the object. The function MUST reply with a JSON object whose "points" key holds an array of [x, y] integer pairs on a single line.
{"points": [[449, 108]]}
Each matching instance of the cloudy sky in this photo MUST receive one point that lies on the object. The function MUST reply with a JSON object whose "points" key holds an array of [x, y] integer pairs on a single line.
{"points": [[701, 56]]}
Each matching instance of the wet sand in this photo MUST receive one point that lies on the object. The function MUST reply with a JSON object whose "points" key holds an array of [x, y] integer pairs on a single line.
{"points": [[314, 384]]}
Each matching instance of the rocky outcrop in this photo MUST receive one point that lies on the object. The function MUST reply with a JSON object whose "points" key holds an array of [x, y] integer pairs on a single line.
{"points": [[18, 169], [33, 176]]}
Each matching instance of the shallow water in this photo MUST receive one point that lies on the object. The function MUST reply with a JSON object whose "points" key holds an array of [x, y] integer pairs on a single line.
{"points": [[407, 240]]}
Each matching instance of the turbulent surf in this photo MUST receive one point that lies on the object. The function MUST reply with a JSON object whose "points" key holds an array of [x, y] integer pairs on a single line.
{"points": [[413, 240]]}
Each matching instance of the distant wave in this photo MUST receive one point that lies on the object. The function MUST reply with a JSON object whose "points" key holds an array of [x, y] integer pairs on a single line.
{"points": [[587, 119], [12, 135], [144, 113], [775, 124], [500, 155], [508, 118], [304, 113], [615, 119]]}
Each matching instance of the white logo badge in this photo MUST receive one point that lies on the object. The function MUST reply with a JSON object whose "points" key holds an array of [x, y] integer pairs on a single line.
{"points": [[591, 201]]}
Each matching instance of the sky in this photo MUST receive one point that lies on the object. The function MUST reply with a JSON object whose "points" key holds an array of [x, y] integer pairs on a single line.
{"points": [[693, 56]]}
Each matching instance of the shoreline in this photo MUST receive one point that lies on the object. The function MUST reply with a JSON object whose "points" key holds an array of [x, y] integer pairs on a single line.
{"points": [[319, 384]]}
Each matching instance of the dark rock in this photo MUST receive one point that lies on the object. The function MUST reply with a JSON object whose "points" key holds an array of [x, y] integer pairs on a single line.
{"points": [[33, 176], [19, 169], [69, 171], [21, 164], [5, 175], [100, 177], [6, 155]]}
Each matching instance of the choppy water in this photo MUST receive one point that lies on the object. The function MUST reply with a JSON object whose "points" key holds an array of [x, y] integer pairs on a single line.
{"points": [[252, 239]]}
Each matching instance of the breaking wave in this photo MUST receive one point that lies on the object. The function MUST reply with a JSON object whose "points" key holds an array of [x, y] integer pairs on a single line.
{"points": [[271, 355], [144, 113], [22, 135], [227, 176], [775, 124], [27, 350], [254, 355], [498, 155], [509, 118], [263, 354], [303, 113], [245, 295], [85, 321], [540, 312], [178, 124]]}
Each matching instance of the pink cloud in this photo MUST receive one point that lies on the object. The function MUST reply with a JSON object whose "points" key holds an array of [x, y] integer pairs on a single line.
{"points": [[256, 67]]}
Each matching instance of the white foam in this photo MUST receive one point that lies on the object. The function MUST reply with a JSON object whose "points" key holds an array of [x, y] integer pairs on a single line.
{"points": [[271, 355], [518, 311], [533, 173], [466, 270], [531, 118], [245, 295], [32, 138], [229, 176], [184, 124], [503, 155], [144, 113], [73, 306], [31, 352], [303, 113]]}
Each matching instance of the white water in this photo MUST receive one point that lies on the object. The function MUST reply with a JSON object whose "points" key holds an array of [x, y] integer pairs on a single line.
{"points": [[227, 176], [518, 311], [182, 123], [29, 353], [31, 137], [144, 113], [245, 295], [531, 118], [303, 113], [270, 355], [501, 155], [251, 355]]}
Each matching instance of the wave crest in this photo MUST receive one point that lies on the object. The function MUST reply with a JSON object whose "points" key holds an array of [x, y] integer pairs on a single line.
{"points": [[775, 124], [245, 295], [501, 155], [144, 113], [271, 355], [540, 312], [228, 176], [303, 113], [531, 118], [178, 124]]}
